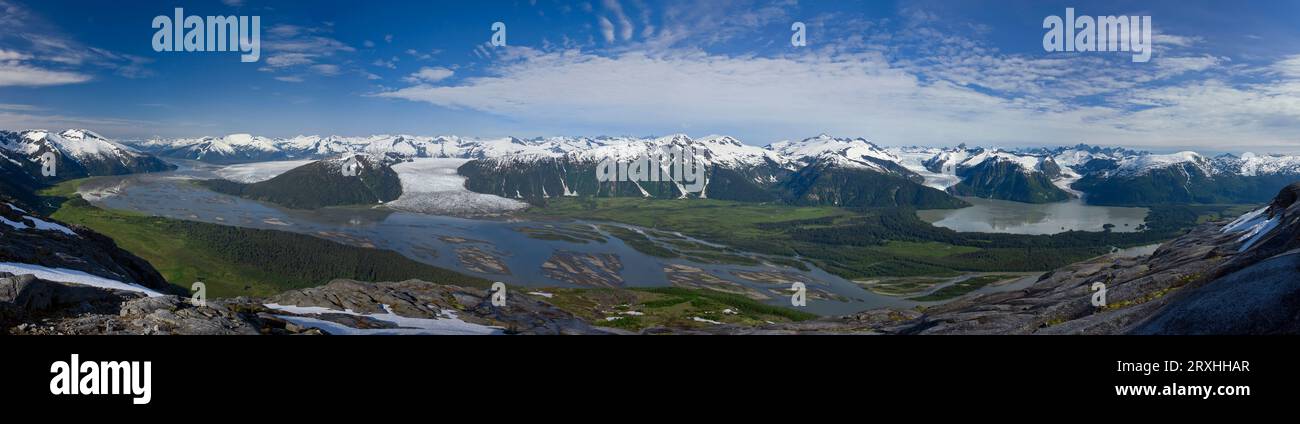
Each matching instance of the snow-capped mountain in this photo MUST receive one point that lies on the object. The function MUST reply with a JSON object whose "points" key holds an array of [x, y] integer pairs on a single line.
{"points": [[723, 150], [1145, 164], [846, 152], [1030, 174], [1250, 164], [817, 170], [1080, 154], [1187, 177], [954, 161], [992, 173], [229, 149], [77, 153]]}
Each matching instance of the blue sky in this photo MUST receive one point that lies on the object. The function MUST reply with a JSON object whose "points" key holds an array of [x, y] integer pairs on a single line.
{"points": [[1225, 76]]}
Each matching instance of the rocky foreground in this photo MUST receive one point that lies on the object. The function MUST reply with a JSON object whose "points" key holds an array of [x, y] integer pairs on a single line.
{"points": [[33, 306]]}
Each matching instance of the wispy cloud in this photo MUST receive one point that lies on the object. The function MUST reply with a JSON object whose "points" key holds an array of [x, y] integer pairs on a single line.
{"points": [[936, 83], [34, 53], [625, 27], [21, 107], [429, 75], [294, 49], [422, 55], [9, 55], [10, 119], [606, 29], [12, 74]]}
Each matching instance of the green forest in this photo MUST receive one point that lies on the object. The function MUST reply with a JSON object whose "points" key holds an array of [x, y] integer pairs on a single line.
{"points": [[870, 242], [234, 261]]}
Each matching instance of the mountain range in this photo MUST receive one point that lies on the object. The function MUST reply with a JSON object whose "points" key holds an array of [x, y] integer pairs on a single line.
{"points": [[77, 154], [821, 170], [817, 170]]}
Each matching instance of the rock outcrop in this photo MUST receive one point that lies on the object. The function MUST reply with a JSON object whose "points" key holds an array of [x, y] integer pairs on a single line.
{"points": [[29, 305], [422, 300], [30, 239]]}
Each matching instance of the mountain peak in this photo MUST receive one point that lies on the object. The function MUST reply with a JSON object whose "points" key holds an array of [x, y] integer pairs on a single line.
{"points": [[79, 134]]}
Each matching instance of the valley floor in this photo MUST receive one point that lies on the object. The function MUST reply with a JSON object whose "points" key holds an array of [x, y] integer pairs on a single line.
{"points": [[886, 251], [865, 243]]}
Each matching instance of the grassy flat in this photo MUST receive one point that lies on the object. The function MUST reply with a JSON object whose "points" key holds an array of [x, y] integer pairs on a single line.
{"points": [[640, 308], [235, 261]]}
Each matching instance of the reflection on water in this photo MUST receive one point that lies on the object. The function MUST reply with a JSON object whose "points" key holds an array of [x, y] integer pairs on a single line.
{"points": [[1002, 216]]}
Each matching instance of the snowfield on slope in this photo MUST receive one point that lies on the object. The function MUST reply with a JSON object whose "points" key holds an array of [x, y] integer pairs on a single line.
{"points": [[1254, 224], [432, 186], [258, 171], [913, 158], [63, 275], [1141, 165]]}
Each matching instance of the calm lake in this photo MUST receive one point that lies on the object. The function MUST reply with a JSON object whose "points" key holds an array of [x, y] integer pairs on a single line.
{"points": [[1002, 216]]}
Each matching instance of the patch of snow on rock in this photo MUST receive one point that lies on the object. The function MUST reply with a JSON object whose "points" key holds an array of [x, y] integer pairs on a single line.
{"points": [[448, 324], [63, 275]]}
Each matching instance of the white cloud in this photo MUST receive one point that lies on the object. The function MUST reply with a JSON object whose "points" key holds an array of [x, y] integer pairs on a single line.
{"points": [[625, 27], [293, 48], [860, 94], [23, 119], [289, 59], [37, 52], [13, 55], [325, 69], [1170, 66], [12, 106], [1289, 66], [316, 45], [606, 29], [422, 55], [429, 75], [13, 74], [1167, 40]]}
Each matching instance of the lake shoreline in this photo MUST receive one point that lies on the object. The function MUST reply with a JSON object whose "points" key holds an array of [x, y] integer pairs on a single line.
{"points": [[1002, 216]]}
